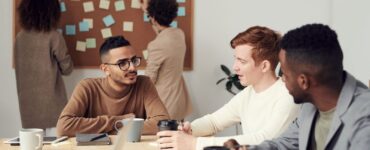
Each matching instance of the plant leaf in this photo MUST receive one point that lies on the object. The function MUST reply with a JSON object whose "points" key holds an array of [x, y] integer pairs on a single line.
{"points": [[219, 81], [229, 84], [226, 70]]}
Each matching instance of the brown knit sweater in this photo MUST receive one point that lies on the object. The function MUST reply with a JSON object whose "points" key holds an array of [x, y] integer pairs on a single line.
{"points": [[94, 107]]}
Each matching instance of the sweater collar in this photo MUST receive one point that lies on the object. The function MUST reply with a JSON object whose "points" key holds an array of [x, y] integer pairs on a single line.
{"points": [[109, 90]]}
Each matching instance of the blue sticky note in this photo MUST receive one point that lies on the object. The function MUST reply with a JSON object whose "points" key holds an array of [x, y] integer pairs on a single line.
{"points": [[84, 26], [63, 7], [181, 1], [146, 18], [181, 11], [173, 24], [108, 20], [70, 30]]}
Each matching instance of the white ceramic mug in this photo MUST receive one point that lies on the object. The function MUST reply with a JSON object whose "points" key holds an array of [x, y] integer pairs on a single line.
{"points": [[134, 132], [31, 139]]}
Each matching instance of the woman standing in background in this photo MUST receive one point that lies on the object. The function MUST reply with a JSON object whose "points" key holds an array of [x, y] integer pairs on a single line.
{"points": [[166, 55], [41, 58]]}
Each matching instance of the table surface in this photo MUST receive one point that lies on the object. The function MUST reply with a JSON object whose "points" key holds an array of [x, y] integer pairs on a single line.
{"points": [[146, 143]]}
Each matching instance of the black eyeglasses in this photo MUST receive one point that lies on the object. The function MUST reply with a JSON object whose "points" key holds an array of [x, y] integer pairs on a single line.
{"points": [[124, 64]]}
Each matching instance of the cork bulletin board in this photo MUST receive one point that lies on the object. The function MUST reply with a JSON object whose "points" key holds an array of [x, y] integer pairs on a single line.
{"points": [[86, 23]]}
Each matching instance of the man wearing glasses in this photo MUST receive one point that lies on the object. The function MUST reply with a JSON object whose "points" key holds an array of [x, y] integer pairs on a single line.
{"points": [[97, 103]]}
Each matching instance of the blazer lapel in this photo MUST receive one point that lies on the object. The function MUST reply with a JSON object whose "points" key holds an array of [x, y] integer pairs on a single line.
{"points": [[304, 135]]}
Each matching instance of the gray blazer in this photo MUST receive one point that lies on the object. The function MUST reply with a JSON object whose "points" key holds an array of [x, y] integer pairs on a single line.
{"points": [[345, 131]]}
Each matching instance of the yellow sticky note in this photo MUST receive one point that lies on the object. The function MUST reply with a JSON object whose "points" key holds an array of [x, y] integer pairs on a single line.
{"points": [[90, 22], [88, 6], [128, 26], [106, 32], [119, 5], [81, 46], [135, 4], [145, 54], [104, 4]]}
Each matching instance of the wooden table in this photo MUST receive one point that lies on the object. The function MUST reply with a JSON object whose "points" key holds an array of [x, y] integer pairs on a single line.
{"points": [[146, 143]]}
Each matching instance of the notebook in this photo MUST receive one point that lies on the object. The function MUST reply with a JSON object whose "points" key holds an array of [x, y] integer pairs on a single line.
{"points": [[92, 139]]}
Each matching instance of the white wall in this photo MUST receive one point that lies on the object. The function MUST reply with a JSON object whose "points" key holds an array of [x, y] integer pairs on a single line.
{"points": [[216, 22]]}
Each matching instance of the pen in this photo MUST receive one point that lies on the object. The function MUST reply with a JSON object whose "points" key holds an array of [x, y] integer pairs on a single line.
{"points": [[98, 137], [61, 139]]}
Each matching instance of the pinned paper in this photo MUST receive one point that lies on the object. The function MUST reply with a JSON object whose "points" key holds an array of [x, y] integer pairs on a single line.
{"points": [[90, 43], [63, 7], [108, 20], [70, 30], [104, 4], [128, 26], [135, 4], [181, 11], [181, 1], [173, 24], [60, 30], [146, 18], [84, 26], [106, 33], [145, 54], [119, 5], [89, 21], [88, 6], [81, 46]]}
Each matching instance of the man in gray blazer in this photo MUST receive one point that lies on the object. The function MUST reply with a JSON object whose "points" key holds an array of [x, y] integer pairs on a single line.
{"points": [[336, 109]]}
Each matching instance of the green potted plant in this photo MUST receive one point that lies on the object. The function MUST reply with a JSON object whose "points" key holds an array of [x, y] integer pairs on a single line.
{"points": [[231, 80]]}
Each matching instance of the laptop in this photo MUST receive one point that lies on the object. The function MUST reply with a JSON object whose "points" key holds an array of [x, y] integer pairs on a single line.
{"points": [[120, 140]]}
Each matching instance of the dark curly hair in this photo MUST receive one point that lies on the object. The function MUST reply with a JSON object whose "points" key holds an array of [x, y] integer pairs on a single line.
{"points": [[265, 43], [314, 49], [163, 11], [39, 15], [111, 43]]}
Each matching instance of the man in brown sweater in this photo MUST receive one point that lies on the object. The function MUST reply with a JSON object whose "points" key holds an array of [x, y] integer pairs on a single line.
{"points": [[97, 103]]}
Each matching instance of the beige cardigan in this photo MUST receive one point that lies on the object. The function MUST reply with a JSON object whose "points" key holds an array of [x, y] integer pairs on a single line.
{"points": [[40, 61], [166, 55]]}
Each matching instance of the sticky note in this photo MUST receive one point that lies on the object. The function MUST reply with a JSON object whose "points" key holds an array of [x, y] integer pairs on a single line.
{"points": [[60, 30], [104, 4], [173, 24], [84, 26], [128, 26], [119, 5], [81, 46], [89, 21], [146, 18], [90, 43], [145, 54], [181, 1], [63, 7], [108, 20], [135, 4], [70, 30], [88, 6], [181, 11], [106, 32]]}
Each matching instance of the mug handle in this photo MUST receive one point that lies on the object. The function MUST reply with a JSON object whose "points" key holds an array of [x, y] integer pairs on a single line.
{"points": [[115, 125], [40, 141]]}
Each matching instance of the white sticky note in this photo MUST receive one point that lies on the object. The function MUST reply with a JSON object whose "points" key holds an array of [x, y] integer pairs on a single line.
{"points": [[119, 5], [89, 21], [104, 4], [135, 4], [81, 46], [128, 26], [145, 54], [88, 6], [106, 32], [90, 43]]}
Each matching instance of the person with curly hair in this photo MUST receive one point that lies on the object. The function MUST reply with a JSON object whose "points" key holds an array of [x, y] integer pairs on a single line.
{"points": [[41, 58], [166, 55]]}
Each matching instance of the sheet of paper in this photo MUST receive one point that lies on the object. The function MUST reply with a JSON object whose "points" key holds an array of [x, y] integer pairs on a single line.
{"points": [[145, 54], [128, 26], [88, 6], [84, 26], [108, 20], [174, 24], [81, 46], [119, 5], [181, 11], [90, 22], [90, 43], [106, 32], [63, 7], [104, 4], [70, 30], [181, 1], [135, 4]]}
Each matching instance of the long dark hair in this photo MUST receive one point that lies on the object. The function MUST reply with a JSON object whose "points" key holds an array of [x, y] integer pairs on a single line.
{"points": [[39, 15]]}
